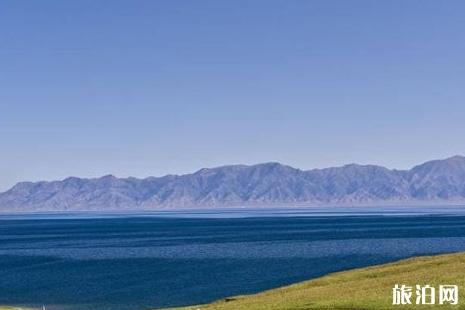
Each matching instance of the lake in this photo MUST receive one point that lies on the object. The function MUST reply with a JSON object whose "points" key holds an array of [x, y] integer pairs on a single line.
{"points": [[145, 261]]}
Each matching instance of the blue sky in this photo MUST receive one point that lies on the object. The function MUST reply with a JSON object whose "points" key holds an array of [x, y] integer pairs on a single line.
{"points": [[145, 88]]}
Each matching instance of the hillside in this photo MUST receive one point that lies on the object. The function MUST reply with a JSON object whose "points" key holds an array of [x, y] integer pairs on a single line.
{"points": [[439, 181], [366, 288]]}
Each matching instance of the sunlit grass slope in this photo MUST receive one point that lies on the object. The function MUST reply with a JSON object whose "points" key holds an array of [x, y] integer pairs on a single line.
{"points": [[360, 289]]}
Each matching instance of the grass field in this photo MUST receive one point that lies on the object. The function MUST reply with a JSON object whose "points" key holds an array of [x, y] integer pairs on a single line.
{"points": [[360, 289]]}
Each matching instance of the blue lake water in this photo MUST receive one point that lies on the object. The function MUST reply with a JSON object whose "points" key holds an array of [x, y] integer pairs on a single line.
{"points": [[146, 261]]}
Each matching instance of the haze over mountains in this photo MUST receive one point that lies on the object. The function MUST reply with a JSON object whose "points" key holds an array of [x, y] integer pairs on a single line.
{"points": [[268, 184]]}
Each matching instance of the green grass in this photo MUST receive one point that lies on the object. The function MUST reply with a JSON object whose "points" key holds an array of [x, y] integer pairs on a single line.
{"points": [[360, 289]]}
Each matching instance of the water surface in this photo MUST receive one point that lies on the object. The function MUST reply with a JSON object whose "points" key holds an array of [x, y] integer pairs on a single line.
{"points": [[124, 262]]}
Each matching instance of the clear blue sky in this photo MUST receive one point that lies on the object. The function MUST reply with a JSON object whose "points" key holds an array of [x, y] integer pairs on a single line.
{"points": [[145, 88]]}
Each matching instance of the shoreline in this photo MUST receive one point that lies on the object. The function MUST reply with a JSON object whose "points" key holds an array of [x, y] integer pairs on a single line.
{"points": [[245, 212], [367, 288]]}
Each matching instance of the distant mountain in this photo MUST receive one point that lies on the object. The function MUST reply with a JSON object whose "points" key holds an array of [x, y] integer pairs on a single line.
{"points": [[269, 184]]}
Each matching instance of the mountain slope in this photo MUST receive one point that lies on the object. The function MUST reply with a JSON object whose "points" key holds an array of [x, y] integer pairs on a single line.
{"points": [[239, 185]]}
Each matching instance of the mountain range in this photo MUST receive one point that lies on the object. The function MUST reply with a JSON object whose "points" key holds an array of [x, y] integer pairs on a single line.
{"points": [[268, 184]]}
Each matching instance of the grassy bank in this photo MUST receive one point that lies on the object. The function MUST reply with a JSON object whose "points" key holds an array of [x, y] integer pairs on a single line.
{"points": [[360, 289]]}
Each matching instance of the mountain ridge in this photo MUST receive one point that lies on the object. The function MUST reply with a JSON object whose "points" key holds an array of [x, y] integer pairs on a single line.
{"points": [[265, 184]]}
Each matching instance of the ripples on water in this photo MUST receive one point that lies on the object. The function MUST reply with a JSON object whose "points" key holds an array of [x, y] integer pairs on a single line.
{"points": [[121, 262]]}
